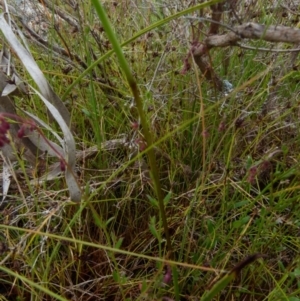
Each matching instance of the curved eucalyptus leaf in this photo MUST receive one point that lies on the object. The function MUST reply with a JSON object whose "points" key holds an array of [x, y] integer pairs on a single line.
{"points": [[69, 150]]}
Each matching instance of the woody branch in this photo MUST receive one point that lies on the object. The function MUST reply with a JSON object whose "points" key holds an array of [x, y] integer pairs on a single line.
{"points": [[249, 30]]}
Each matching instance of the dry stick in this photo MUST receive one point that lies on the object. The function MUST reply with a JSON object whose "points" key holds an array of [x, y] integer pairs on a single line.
{"points": [[73, 22], [246, 31], [252, 31], [216, 16], [217, 10], [69, 19], [203, 63], [290, 50], [55, 48]]}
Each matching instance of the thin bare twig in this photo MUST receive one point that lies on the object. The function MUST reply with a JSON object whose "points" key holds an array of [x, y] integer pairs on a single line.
{"points": [[58, 11], [217, 10], [246, 31], [268, 49], [253, 31]]}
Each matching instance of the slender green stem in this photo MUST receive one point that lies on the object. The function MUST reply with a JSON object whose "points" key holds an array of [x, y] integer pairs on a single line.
{"points": [[139, 105]]}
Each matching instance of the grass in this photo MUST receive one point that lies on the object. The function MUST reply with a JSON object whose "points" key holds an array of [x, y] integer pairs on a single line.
{"points": [[227, 166]]}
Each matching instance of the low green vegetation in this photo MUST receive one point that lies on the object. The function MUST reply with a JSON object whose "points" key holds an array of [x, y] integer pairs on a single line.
{"points": [[225, 165]]}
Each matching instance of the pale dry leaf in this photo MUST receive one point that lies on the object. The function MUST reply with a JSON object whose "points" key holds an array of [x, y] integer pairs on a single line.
{"points": [[33, 69], [45, 125], [9, 76], [22, 36], [9, 89], [69, 150], [6, 179], [51, 148]]}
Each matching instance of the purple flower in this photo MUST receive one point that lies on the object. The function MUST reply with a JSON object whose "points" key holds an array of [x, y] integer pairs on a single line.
{"points": [[168, 275]]}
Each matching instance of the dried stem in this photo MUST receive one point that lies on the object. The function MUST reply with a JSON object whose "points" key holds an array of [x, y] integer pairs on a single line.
{"points": [[250, 30]]}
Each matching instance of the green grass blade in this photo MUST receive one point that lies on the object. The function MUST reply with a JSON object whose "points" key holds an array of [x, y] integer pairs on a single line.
{"points": [[224, 281], [32, 283], [139, 105]]}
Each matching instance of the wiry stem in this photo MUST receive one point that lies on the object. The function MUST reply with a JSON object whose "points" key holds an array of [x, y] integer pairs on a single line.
{"points": [[139, 105]]}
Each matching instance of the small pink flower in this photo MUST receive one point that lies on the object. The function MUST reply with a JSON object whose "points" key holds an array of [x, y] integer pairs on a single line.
{"points": [[134, 125], [252, 174], [168, 275], [141, 144], [265, 165], [205, 133]]}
